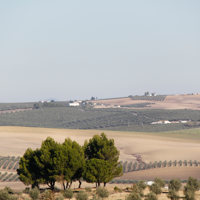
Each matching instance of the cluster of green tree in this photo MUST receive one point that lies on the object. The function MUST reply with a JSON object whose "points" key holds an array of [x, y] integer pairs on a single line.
{"points": [[13, 106], [149, 98], [96, 161], [106, 119], [49, 104], [174, 186], [7, 194], [137, 105]]}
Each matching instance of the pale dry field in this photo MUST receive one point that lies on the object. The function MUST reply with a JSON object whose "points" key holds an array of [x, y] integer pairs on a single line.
{"points": [[182, 145], [170, 102], [166, 173]]}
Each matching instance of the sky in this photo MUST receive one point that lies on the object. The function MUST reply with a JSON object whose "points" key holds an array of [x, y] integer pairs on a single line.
{"points": [[73, 50]]}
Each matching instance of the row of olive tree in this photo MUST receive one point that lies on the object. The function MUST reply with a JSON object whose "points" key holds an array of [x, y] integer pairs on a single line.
{"points": [[95, 161]]}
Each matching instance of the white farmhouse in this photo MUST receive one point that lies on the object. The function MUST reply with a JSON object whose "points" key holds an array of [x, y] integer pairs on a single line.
{"points": [[73, 104]]}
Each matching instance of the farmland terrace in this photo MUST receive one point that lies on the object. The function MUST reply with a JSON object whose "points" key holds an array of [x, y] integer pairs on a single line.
{"points": [[158, 102]]}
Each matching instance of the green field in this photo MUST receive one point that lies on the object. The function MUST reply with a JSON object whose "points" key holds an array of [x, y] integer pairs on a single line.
{"points": [[87, 117]]}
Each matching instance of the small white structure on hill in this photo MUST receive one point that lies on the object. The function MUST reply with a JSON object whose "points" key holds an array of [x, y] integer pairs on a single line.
{"points": [[162, 122], [150, 183], [73, 104]]}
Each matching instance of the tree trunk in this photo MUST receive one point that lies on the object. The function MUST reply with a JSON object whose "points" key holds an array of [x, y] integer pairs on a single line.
{"points": [[67, 185], [104, 185], [64, 186], [70, 184], [96, 184], [52, 185], [35, 184], [79, 184], [99, 184]]}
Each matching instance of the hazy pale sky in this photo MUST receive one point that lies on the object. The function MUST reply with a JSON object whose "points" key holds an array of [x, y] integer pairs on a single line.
{"points": [[104, 48]]}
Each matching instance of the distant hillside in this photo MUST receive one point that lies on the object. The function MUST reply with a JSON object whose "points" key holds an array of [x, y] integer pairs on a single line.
{"points": [[159, 102], [86, 117]]}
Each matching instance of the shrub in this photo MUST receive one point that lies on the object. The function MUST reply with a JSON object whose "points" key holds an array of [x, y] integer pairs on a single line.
{"points": [[165, 163], [11, 197], [155, 188], [60, 197], [124, 166], [81, 195], [95, 197], [170, 163], [150, 165], [34, 193], [139, 167], [129, 166], [185, 162], [4, 195], [155, 164], [172, 194], [48, 195], [174, 184], [151, 196], [175, 162], [189, 192], [135, 188], [120, 190], [116, 189], [68, 193], [160, 182], [138, 189], [9, 190], [190, 163], [133, 196], [193, 183], [26, 190], [134, 166], [141, 184], [88, 189], [145, 166], [160, 164], [180, 162], [102, 192]]}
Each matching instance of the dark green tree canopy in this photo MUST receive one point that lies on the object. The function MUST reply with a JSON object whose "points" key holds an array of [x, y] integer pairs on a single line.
{"points": [[100, 147], [98, 171], [51, 161], [29, 170], [160, 181], [174, 184]]}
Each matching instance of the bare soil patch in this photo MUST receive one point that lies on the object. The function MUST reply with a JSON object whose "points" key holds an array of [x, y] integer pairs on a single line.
{"points": [[167, 173], [170, 102]]}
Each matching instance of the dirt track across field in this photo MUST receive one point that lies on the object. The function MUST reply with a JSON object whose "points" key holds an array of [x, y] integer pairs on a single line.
{"points": [[170, 102]]}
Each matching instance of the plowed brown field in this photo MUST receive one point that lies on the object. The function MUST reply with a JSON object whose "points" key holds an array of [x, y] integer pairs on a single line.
{"points": [[170, 102]]}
